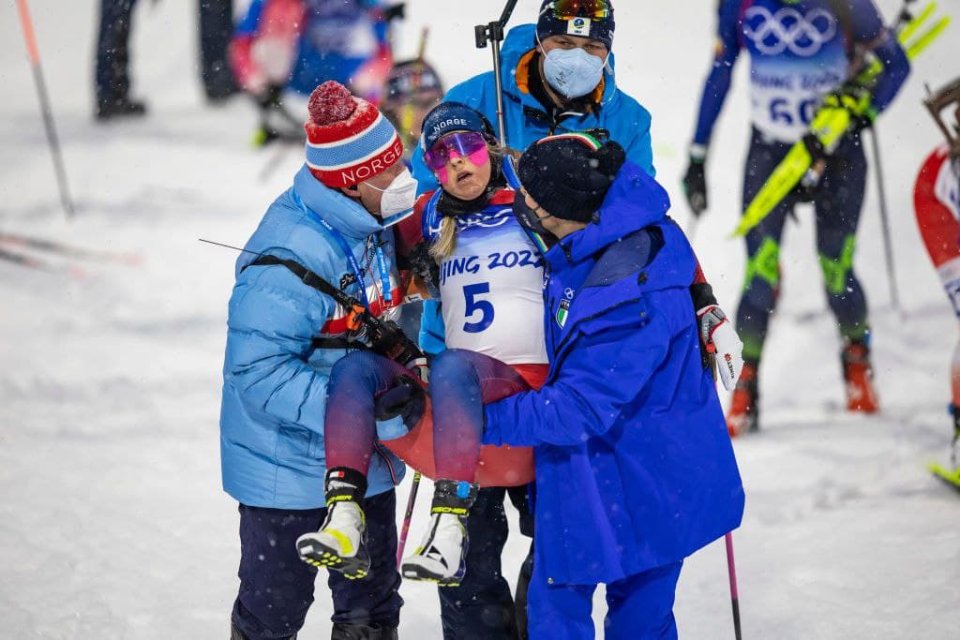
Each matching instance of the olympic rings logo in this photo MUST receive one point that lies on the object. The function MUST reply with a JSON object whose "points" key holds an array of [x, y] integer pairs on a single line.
{"points": [[803, 35]]}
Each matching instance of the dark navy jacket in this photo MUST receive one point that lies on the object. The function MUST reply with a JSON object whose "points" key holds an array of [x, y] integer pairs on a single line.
{"points": [[634, 465]]}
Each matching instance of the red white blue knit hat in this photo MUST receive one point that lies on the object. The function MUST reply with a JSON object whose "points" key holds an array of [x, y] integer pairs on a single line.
{"points": [[348, 139]]}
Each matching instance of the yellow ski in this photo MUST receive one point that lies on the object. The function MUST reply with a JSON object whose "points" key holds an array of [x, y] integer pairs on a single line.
{"points": [[952, 478]]}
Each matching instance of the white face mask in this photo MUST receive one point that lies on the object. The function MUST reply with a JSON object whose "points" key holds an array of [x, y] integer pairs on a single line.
{"points": [[399, 196], [573, 72]]}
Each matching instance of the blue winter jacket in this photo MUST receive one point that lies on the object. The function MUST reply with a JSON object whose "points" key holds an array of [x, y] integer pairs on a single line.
{"points": [[634, 467], [274, 380], [627, 122]]}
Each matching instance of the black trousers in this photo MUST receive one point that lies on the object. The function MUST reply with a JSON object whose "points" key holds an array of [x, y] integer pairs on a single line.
{"points": [[482, 608], [216, 29], [113, 50], [276, 587]]}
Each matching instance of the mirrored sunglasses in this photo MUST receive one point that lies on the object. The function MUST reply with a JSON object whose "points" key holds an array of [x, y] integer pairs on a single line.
{"points": [[568, 9], [464, 143]]}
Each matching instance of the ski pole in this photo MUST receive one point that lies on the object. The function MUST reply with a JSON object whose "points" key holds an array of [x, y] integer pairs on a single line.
{"points": [[885, 220], [493, 33], [34, 53], [402, 540], [734, 593]]}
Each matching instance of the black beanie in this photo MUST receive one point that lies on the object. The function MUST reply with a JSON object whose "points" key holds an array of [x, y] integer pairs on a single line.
{"points": [[569, 175]]}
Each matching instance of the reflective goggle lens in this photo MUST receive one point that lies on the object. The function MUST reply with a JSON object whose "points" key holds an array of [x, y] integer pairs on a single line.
{"points": [[464, 144], [593, 9]]}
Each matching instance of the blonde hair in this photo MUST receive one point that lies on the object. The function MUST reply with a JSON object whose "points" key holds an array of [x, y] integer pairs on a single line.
{"points": [[446, 241]]}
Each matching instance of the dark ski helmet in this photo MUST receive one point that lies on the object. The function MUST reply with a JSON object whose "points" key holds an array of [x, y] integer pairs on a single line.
{"points": [[410, 78]]}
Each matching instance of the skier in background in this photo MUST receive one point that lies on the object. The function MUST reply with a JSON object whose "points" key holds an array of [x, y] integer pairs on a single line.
{"points": [[294, 45], [936, 202], [801, 51], [411, 90], [112, 76]]}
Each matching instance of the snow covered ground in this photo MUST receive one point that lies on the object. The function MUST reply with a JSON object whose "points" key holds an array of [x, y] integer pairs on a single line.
{"points": [[112, 522]]}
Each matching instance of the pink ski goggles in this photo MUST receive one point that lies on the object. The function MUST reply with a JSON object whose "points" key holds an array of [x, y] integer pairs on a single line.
{"points": [[464, 144]]}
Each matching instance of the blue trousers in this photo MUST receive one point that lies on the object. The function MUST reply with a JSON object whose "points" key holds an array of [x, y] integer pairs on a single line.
{"points": [[837, 203], [276, 587], [640, 607]]}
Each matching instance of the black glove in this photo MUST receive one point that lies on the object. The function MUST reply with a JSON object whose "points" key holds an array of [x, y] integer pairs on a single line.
{"points": [[695, 185], [406, 399], [388, 339]]}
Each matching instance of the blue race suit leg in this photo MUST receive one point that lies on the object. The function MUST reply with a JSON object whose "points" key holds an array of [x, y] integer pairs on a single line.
{"points": [[838, 206], [762, 282], [349, 425]]}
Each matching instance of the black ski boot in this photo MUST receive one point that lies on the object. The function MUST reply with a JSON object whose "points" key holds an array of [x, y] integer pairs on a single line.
{"points": [[345, 631], [124, 107], [236, 634]]}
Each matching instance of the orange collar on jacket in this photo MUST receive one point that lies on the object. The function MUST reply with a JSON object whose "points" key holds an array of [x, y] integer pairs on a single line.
{"points": [[523, 78]]}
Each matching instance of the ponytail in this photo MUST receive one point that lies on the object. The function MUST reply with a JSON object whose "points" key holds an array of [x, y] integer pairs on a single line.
{"points": [[446, 241]]}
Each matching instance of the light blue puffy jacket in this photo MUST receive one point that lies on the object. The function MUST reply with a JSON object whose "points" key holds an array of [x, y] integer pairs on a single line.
{"points": [[274, 380]]}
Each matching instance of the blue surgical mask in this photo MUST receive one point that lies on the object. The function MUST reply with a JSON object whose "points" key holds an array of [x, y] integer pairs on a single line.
{"points": [[573, 72]]}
